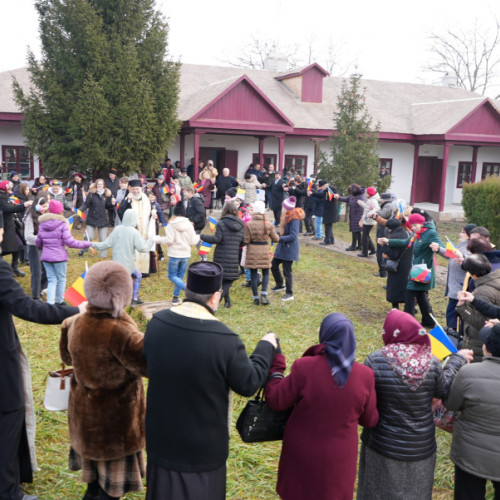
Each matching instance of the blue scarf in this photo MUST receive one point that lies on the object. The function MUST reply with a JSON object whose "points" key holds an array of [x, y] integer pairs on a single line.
{"points": [[337, 335]]}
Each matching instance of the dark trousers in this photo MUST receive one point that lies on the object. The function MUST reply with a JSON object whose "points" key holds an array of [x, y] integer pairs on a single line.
{"points": [[254, 281], [287, 271], [329, 234], [226, 285], [111, 216], [277, 215], [381, 261], [423, 304], [38, 276], [451, 314], [367, 242], [469, 487], [308, 221], [356, 239], [13, 469]]}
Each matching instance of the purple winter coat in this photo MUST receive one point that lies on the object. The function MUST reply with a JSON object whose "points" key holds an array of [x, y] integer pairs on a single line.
{"points": [[355, 211], [53, 235]]}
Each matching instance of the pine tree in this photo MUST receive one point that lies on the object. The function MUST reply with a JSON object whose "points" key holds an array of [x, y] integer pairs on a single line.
{"points": [[353, 154], [104, 93]]}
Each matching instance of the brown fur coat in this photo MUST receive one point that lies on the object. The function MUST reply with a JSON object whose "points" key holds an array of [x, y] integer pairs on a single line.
{"points": [[259, 229], [106, 405]]}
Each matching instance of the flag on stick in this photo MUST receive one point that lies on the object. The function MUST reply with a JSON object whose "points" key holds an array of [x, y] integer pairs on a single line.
{"points": [[196, 185], [75, 294], [45, 187], [450, 249], [204, 248], [330, 194], [14, 199], [71, 221], [200, 189], [310, 184], [165, 190], [79, 213], [69, 190], [212, 222], [441, 344]]}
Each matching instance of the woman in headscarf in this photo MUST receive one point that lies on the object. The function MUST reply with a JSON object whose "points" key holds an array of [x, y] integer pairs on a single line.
{"points": [[399, 454], [331, 395]]}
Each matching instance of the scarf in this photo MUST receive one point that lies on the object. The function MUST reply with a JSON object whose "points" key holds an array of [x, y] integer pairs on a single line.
{"points": [[407, 348], [337, 335], [100, 192]]}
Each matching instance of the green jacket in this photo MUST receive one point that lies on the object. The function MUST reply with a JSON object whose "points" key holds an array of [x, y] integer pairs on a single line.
{"points": [[422, 254]]}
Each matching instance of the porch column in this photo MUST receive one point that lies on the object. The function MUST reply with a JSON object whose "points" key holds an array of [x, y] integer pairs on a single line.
{"points": [[475, 150], [281, 157], [261, 151], [442, 189], [415, 169], [182, 144], [196, 152]]}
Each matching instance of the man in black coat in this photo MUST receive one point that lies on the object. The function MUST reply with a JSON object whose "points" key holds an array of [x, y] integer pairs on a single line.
{"points": [[112, 184], [223, 183], [330, 209], [15, 464], [278, 190], [193, 361], [195, 210]]}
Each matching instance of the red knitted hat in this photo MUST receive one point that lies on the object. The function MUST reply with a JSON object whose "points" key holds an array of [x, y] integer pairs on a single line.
{"points": [[4, 185], [416, 219], [371, 191]]}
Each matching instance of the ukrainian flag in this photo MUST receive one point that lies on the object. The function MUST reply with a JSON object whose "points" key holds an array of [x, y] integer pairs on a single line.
{"points": [[441, 344]]}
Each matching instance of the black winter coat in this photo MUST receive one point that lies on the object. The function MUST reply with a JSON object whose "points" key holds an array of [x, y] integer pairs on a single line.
{"points": [[397, 282], [14, 302], [196, 213], [330, 208], [300, 192], [97, 206], [228, 237], [405, 429], [277, 194], [10, 243]]}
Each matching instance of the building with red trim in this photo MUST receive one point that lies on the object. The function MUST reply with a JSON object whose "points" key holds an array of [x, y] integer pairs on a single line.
{"points": [[432, 139]]}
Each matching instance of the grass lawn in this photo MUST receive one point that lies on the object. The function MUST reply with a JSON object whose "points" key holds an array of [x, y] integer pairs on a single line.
{"points": [[324, 282]]}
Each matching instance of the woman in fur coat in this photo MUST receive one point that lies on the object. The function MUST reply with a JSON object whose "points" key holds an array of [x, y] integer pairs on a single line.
{"points": [[106, 404], [288, 248], [98, 201]]}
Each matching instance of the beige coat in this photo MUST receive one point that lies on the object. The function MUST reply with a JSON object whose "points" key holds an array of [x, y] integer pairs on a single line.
{"points": [[258, 231]]}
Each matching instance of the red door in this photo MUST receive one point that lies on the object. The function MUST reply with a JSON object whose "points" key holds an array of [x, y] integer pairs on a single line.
{"points": [[428, 179], [231, 162]]}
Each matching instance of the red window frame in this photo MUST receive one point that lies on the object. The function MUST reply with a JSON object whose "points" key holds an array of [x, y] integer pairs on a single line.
{"points": [[464, 173], [490, 169], [291, 161], [10, 163], [387, 163], [267, 158]]}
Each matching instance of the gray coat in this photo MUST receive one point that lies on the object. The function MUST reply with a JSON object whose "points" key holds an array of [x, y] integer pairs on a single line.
{"points": [[456, 274], [476, 438]]}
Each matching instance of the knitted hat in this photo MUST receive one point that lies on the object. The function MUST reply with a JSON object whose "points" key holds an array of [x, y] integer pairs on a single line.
{"points": [[108, 285], [161, 178], [12, 174], [371, 191], [289, 203], [491, 338], [231, 192], [468, 228], [204, 277], [4, 185], [55, 207], [259, 207], [416, 219]]}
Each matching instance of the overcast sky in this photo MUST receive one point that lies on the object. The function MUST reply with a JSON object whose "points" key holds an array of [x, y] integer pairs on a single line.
{"points": [[386, 40]]}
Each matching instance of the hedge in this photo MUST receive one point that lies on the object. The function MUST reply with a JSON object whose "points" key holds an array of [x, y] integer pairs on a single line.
{"points": [[481, 202]]}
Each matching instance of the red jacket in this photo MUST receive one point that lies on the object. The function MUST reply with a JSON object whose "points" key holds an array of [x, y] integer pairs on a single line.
{"points": [[320, 445]]}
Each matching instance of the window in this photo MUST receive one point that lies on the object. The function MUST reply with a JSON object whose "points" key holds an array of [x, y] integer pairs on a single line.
{"points": [[490, 169], [17, 158], [296, 163], [464, 173], [268, 159], [385, 163]]}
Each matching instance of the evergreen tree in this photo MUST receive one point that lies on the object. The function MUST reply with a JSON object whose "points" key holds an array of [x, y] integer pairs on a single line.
{"points": [[104, 93], [353, 154]]}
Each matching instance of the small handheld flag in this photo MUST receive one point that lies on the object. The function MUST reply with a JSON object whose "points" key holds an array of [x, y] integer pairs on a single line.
{"points": [[165, 190], [330, 194], [204, 248], [75, 294], [79, 213], [196, 185], [212, 222], [71, 221], [310, 184], [45, 187], [200, 189], [14, 199], [69, 190], [450, 249], [441, 344]]}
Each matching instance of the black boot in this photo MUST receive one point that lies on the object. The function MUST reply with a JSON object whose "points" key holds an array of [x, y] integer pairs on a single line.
{"points": [[352, 248], [92, 492]]}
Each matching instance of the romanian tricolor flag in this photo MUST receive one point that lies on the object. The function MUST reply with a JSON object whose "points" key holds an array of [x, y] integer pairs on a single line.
{"points": [[165, 190], [450, 249], [196, 185], [45, 188], [69, 190], [204, 248], [310, 184], [441, 344], [330, 194], [14, 199], [75, 294], [80, 213], [212, 223], [200, 189]]}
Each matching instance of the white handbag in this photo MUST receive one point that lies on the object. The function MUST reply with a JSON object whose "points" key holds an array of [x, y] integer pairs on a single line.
{"points": [[58, 387]]}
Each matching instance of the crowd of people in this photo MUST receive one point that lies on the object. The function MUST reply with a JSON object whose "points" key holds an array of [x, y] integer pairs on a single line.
{"points": [[193, 360]]}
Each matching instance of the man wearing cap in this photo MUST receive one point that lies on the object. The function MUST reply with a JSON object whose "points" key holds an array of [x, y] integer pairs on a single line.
{"points": [[112, 184], [476, 436], [184, 178], [193, 361]]}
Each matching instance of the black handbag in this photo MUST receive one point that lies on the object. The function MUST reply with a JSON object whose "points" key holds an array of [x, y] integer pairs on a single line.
{"points": [[257, 422], [391, 265]]}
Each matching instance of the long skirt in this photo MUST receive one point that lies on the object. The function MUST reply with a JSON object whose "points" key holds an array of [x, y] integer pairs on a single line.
{"points": [[383, 478], [115, 477]]}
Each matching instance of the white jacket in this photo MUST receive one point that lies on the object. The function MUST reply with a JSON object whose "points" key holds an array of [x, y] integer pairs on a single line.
{"points": [[179, 238]]}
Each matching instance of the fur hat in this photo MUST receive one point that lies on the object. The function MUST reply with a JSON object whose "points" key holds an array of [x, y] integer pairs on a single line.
{"points": [[4, 185], [371, 191], [204, 277], [289, 203], [55, 207], [416, 219], [108, 285], [259, 207]]}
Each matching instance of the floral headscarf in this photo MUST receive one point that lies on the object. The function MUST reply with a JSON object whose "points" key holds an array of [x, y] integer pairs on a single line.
{"points": [[407, 348]]}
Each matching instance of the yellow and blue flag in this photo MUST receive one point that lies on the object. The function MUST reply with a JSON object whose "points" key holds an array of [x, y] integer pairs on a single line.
{"points": [[441, 344]]}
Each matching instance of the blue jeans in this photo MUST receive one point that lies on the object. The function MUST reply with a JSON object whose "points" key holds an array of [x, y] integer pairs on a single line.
{"points": [[56, 277], [319, 227], [176, 271]]}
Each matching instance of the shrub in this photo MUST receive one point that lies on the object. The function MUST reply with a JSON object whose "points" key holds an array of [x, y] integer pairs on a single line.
{"points": [[481, 202]]}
